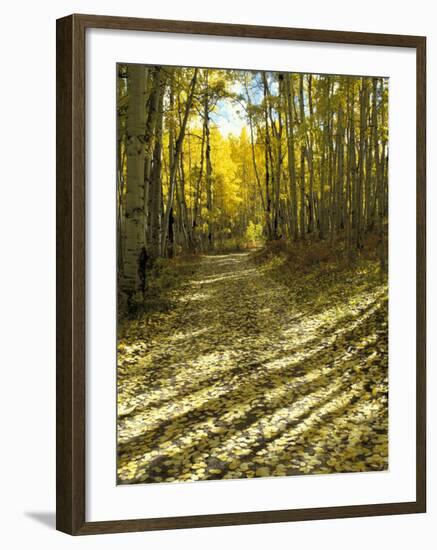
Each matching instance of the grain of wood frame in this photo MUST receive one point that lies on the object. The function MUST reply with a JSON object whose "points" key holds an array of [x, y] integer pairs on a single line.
{"points": [[252, 239]]}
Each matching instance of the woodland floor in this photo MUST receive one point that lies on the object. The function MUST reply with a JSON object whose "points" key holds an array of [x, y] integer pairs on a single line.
{"points": [[253, 374]]}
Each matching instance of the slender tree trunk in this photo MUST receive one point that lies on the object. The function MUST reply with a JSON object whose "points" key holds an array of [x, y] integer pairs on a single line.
{"points": [[155, 192], [289, 126], [380, 192], [121, 166], [156, 82], [185, 226], [279, 160], [323, 183], [360, 181], [368, 183], [324, 160], [252, 145], [348, 202], [132, 282], [340, 171], [198, 190], [275, 154], [310, 157], [302, 160], [353, 164], [266, 161], [208, 166], [168, 216]]}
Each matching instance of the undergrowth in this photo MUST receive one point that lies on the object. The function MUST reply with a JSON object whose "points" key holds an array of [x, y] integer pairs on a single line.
{"points": [[163, 277], [321, 269]]}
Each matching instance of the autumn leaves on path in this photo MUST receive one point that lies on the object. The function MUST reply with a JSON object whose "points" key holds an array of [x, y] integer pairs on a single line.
{"points": [[248, 377]]}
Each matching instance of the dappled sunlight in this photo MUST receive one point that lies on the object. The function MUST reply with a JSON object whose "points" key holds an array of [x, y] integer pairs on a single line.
{"points": [[335, 322], [224, 277], [255, 379], [225, 258], [204, 370], [249, 436], [182, 336], [195, 297], [239, 396]]}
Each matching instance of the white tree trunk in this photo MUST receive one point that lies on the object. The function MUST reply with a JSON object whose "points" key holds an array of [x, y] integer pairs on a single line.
{"points": [[135, 218]]}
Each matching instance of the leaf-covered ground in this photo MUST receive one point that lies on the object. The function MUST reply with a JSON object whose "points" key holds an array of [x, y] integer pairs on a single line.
{"points": [[250, 375]]}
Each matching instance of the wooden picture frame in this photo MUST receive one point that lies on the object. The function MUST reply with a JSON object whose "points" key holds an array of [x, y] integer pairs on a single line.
{"points": [[71, 246]]}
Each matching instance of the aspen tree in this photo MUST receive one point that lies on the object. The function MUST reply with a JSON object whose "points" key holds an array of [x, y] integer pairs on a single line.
{"points": [[310, 157], [155, 191], [360, 179], [168, 216], [291, 154], [131, 283], [302, 159], [208, 165]]}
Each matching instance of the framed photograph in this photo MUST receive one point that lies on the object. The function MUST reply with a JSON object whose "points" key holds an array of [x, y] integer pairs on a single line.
{"points": [[240, 274]]}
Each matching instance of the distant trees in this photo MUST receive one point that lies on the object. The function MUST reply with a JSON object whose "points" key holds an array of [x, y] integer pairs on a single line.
{"points": [[310, 164], [175, 151]]}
